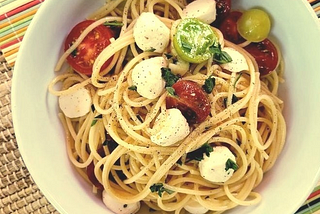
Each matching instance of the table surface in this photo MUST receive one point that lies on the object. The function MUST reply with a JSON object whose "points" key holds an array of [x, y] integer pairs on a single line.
{"points": [[18, 192]]}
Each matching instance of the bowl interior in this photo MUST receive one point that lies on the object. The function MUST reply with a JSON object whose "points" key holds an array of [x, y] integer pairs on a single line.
{"points": [[41, 139]]}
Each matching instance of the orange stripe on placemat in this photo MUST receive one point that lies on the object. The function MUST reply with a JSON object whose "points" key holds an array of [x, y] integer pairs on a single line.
{"points": [[13, 34], [11, 52]]}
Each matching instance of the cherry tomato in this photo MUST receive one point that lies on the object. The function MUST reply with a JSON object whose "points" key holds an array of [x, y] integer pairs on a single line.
{"points": [[191, 100], [193, 39], [254, 25], [266, 55], [90, 171], [228, 27], [223, 8], [83, 57]]}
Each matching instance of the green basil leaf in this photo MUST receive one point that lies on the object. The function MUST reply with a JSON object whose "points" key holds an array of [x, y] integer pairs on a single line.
{"points": [[209, 84], [168, 76], [113, 24], [198, 154], [133, 88], [158, 187], [230, 164]]}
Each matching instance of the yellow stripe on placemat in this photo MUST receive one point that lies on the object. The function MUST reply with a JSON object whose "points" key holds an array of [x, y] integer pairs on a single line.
{"points": [[15, 18], [13, 5]]}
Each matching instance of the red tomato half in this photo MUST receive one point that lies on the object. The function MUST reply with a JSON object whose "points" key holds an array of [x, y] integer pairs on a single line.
{"points": [[191, 100], [265, 54], [228, 27], [83, 57], [90, 171], [223, 9]]}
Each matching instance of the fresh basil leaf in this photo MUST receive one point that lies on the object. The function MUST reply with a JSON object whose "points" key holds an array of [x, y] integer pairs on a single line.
{"points": [[234, 99], [113, 24], [74, 53], [186, 46], [139, 118], [230, 164], [93, 108], [158, 187], [133, 88], [150, 50], [198, 154], [168, 76], [219, 55], [96, 119], [171, 91], [237, 79], [168, 56], [209, 84]]}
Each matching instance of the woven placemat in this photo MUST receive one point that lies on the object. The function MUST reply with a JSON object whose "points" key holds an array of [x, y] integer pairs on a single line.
{"points": [[18, 192]]}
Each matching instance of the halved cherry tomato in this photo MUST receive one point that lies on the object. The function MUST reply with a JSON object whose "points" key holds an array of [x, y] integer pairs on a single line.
{"points": [[193, 39], [228, 27], [266, 55], [223, 8], [90, 171], [83, 57], [191, 100]]}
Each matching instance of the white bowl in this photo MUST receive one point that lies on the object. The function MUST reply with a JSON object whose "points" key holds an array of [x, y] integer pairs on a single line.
{"points": [[41, 139]]}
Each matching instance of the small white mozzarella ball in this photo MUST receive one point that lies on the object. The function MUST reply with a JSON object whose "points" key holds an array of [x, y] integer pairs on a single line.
{"points": [[150, 33], [76, 104], [194, 207], [170, 128], [238, 63], [204, 10], [147, 77], [118, 207], [213, 168], [180, 67]]}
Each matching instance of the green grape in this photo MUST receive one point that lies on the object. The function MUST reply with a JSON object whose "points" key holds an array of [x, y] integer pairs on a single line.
{"points": [[254, 25]]}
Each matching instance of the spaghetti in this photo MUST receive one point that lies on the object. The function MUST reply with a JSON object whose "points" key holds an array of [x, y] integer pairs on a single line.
{"points": [[114, 137]]}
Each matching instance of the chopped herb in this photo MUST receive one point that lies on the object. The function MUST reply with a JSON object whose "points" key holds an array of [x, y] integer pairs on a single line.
{"points": [[151, 210], [237, 79], [74, 53], [169, 56], [158, 187], [139, 118], [113, 24], [93, 108], [150, 50], [171, 91], [186, 46], [234, 99], [174, 61], [168, 76], [219, 55], [209, 84], [179, 162], [230, 164], [94, 122], [96, 119], [105, 143], [133, 88], [198, 154]]}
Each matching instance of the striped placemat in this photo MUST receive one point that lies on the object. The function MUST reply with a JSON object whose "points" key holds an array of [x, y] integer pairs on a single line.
{"points": [[18, 192]]}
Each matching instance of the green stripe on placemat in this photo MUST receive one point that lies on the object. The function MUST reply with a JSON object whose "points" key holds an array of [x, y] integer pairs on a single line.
{"points": [[18, 192]]}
